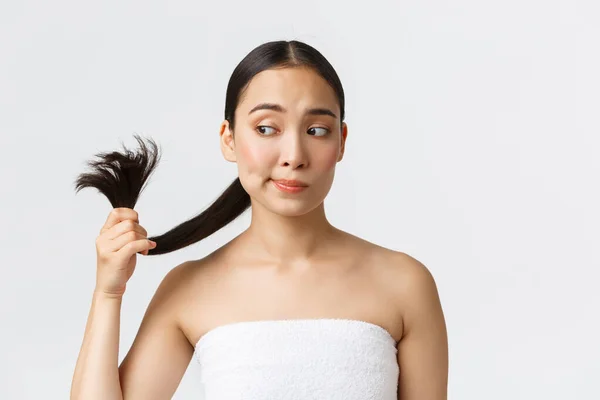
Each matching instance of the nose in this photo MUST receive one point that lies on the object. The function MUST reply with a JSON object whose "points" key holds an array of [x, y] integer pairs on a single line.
{"points": [[293, 151]]}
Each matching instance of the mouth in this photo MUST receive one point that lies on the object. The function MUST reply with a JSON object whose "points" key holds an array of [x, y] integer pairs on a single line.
{"points": [[289, 186]]}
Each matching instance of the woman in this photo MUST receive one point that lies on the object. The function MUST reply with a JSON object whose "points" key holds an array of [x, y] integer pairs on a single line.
{"points": [[292, 308]]}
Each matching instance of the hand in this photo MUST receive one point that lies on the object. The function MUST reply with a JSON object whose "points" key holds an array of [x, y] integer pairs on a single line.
{"points": [[117, 245]]}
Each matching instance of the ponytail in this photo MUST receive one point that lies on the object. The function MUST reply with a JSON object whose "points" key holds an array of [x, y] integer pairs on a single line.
{"points": [[122, 176]]}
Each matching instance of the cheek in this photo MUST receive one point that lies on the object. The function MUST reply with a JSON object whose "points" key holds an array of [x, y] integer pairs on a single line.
{"points": [[327, 159], [253, 156]]}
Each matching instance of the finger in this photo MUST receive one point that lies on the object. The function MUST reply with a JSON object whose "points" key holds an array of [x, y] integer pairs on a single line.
{"points": [[124, 227], [117, 215], [119, 242], [135, 247]]}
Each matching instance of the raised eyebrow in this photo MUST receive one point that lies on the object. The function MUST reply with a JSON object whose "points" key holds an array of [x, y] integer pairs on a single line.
{"points": [[321, 111], [268, 106], [279, 108]]}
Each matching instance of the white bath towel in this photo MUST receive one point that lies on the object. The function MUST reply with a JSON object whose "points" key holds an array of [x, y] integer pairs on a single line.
{"points": [[325, 359]]}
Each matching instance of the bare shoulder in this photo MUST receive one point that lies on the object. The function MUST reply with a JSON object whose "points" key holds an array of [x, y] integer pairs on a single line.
{"points": [[412, 276], [180, 287], [416, 292], [180, 278], [412, 281], [161, 350], [191, 272], [405, 267], [408, 278], [423, 347], [190, 288]]}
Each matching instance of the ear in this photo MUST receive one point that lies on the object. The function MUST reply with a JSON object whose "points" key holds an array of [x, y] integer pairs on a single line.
{"points": [[344, 134], [227, 142]]}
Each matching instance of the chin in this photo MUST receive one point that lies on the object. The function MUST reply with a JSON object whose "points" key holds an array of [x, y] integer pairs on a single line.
{"points": [[287, 207], [292, 210]]}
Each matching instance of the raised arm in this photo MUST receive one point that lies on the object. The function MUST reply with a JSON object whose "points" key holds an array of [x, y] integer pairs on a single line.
{"points": [[160, 353]]}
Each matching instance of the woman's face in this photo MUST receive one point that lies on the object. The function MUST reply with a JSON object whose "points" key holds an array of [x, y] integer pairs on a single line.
{"points": [[287, 127]]}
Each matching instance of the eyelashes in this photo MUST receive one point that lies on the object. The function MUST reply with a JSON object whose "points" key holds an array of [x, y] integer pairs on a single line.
{"points": [[266, 130]]}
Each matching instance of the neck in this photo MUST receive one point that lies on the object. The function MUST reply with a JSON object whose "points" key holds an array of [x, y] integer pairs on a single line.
{"points": [[283, 239]]}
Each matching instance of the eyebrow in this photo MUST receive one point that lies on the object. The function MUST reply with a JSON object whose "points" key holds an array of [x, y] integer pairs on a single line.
{"points": [[279, 108]]}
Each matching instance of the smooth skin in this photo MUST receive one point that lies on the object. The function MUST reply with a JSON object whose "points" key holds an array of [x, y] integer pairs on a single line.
{"points": [[290, 263]]}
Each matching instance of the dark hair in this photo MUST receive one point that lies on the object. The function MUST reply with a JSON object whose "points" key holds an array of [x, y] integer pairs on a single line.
{"points": [[122, 176]]}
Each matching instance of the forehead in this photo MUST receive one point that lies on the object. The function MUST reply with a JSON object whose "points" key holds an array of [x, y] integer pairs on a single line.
{"points": [[290, 87]]}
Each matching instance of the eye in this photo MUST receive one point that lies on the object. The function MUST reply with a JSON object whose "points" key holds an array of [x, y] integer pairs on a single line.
{"points": [[314, 131], [263, 129]]}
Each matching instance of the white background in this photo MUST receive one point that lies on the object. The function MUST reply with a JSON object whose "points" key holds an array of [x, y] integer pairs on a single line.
{"points": [[473, 146]]}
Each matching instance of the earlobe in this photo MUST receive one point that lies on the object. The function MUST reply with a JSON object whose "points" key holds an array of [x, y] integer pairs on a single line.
{"points": [[227, 142], [344, 134]]}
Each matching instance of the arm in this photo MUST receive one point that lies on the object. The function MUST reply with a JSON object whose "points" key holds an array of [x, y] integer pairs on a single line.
{"points": [[423, 348], [156, 361], [96, 372]]}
